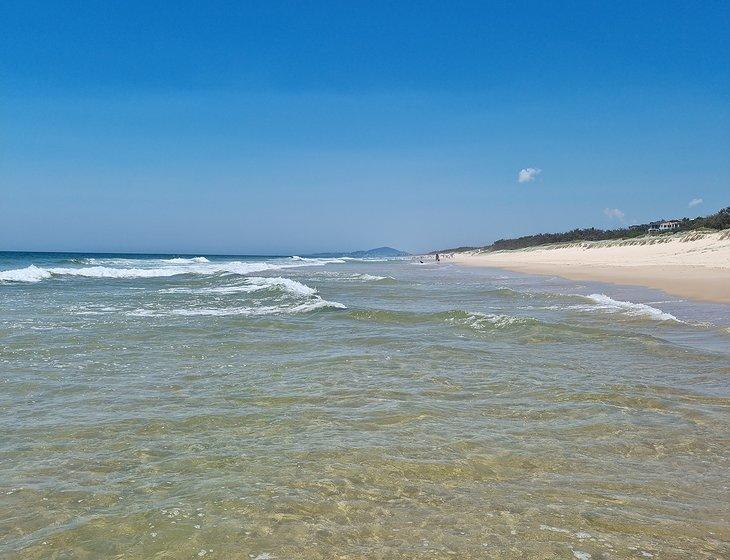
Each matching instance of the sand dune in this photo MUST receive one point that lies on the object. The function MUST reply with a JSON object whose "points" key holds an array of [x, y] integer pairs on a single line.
{"points": [[694, 264]]}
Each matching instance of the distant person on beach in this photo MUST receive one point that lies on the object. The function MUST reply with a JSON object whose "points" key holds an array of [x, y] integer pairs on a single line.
{"points": [[438, 259]]}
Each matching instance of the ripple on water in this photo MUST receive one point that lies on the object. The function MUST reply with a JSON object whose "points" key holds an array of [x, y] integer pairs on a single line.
{"points": [[435, 416]]}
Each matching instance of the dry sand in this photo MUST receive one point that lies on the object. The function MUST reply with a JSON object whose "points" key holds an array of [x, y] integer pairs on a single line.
{"points": [[693, 265]]}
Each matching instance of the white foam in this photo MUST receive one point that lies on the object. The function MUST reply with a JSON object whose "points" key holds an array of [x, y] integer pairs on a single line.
{"points": [[253, 284], [352, 277], [478, 320], [316, 261], [319, 262], [180, 260], [289, 285], [373, 278], [217, 290], [99, 310], [609, 304], [316, 304], [33, 273], [306, 307]]}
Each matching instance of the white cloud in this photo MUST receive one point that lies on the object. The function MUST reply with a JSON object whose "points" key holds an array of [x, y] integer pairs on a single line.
{"points": [[695, 202], [528, 174], [614, 214]]}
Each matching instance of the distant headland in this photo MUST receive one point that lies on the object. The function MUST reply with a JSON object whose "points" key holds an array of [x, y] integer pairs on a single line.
{"points": [[379, 252]]}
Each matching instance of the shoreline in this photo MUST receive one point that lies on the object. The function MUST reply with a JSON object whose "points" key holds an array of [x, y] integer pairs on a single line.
{"points": [[693, 266]]}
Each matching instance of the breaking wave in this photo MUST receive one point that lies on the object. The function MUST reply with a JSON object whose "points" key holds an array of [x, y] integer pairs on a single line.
{"points": [[252, 311], [483, 321], [252, 284], [179, 260], [172, 267], [316, 260], [353, 277], [474, 320], [31, 273], [495, 324], [642, 310]]}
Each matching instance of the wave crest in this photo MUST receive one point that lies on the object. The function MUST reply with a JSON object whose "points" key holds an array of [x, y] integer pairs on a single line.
{"points": [[180, 260], [642, 310], [253, 311], [471, 319], [483, 321], [30, 273], [173, 267], [252, 284]]}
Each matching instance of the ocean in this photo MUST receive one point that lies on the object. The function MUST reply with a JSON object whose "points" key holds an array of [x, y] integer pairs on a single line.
{"points": [[166, 406]]}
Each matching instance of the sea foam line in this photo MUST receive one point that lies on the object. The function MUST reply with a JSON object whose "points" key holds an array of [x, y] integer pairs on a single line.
{"points": [[34, 273], [180, 260], [305, 307], [611, 305]]}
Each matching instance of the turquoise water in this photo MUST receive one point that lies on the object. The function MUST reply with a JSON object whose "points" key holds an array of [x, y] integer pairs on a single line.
{"points": [[247, 407]]}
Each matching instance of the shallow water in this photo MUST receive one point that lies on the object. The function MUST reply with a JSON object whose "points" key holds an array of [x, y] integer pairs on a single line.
{"points": [[285, 408]]}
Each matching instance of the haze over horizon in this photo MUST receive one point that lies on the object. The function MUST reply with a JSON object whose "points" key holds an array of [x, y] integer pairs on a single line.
{"points": [[284, 128]]}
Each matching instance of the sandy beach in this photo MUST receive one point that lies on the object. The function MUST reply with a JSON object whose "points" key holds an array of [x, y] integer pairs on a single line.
{"points": [[693, 265]]}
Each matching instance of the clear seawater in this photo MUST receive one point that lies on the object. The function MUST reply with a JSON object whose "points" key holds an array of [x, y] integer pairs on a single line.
{"points": [[280, 408]]}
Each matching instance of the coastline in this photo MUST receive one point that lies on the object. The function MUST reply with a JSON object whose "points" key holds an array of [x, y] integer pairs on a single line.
{"points": [[691, 265]]}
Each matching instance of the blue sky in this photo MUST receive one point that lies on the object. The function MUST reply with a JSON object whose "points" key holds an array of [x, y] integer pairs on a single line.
{"points": [[287, 127]]}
